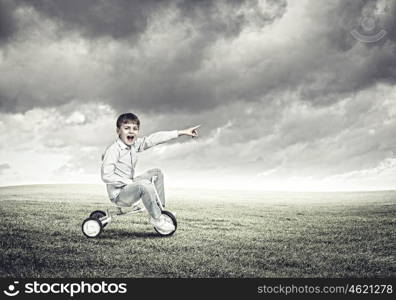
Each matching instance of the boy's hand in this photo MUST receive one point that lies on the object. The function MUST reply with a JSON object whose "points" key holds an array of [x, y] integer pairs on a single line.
{"points": [[193, 131]]}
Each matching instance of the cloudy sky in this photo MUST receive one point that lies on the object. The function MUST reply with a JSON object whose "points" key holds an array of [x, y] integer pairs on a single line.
{"points": [[291, 95]]}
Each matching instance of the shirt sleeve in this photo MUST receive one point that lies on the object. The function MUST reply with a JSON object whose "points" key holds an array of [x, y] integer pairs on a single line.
{"points": [[155, 139], [109, 160]]}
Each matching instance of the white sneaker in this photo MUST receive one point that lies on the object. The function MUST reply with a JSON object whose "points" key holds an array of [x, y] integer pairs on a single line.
{"points": [[162, 224]]}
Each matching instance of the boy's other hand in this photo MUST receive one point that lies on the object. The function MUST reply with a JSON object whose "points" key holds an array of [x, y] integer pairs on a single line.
{"points": [[193, 131]]}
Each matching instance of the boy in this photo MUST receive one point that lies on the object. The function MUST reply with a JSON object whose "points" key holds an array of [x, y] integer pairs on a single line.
{"points": [[118, 168]]}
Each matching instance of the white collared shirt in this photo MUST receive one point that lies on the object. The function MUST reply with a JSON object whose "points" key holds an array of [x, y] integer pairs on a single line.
{"points": [[119, 160]]}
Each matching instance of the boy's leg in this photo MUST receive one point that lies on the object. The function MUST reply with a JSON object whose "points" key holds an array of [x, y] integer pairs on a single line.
{"points": [[129, 195], [140, 189], [159, 182]]}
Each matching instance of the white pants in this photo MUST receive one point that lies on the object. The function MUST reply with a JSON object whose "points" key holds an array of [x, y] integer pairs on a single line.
{"points": [[142, 188]]}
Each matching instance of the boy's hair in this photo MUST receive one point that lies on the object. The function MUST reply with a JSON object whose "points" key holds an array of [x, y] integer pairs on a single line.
{"points": [[127, 118]]}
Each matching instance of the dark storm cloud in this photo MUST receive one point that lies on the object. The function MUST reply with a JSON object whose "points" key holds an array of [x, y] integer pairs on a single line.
{"points": [[95, 19], [228, 20], [348, 64], [157, 82], [183, 82], [323, 64], [7, 21], [390, 22], [123, 19]]}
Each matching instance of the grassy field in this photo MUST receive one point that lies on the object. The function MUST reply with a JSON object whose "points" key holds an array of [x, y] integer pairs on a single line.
{"points": [[219, 235]]}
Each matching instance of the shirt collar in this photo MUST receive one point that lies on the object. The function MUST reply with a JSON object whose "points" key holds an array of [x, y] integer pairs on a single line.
{"points": [[122, 144]]}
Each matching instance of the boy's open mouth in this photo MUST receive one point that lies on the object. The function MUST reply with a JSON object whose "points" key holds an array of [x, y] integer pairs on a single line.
{"points": [[130, 138]]}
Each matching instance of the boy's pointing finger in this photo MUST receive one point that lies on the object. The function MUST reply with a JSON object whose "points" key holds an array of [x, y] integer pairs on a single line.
{"points": [[194, 131]]}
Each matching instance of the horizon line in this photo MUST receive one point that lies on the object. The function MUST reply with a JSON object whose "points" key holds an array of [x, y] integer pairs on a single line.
{"points": [[224, 189]]}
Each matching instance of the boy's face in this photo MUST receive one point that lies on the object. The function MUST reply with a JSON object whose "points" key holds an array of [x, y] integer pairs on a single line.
{"points": [[128, 132]]}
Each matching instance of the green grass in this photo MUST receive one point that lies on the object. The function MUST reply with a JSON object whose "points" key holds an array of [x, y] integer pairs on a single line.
{"points": [[220, 234]]}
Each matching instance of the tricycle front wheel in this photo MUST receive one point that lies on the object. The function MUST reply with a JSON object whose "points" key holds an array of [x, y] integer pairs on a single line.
{"points": [[169, 217]]}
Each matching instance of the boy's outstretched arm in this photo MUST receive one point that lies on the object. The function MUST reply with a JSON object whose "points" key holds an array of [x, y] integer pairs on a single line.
{"points": [[163, 136], [193, 131]]}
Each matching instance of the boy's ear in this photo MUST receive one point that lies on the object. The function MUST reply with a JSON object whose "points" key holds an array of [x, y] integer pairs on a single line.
{"points": [[118, 131]]}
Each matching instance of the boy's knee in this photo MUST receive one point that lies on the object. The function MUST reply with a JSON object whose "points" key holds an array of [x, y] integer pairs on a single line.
{"points": [[155, 171], [158, 173]]}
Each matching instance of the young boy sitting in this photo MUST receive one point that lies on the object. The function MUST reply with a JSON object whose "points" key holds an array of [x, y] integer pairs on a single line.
{"points": [[118, 168]]}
